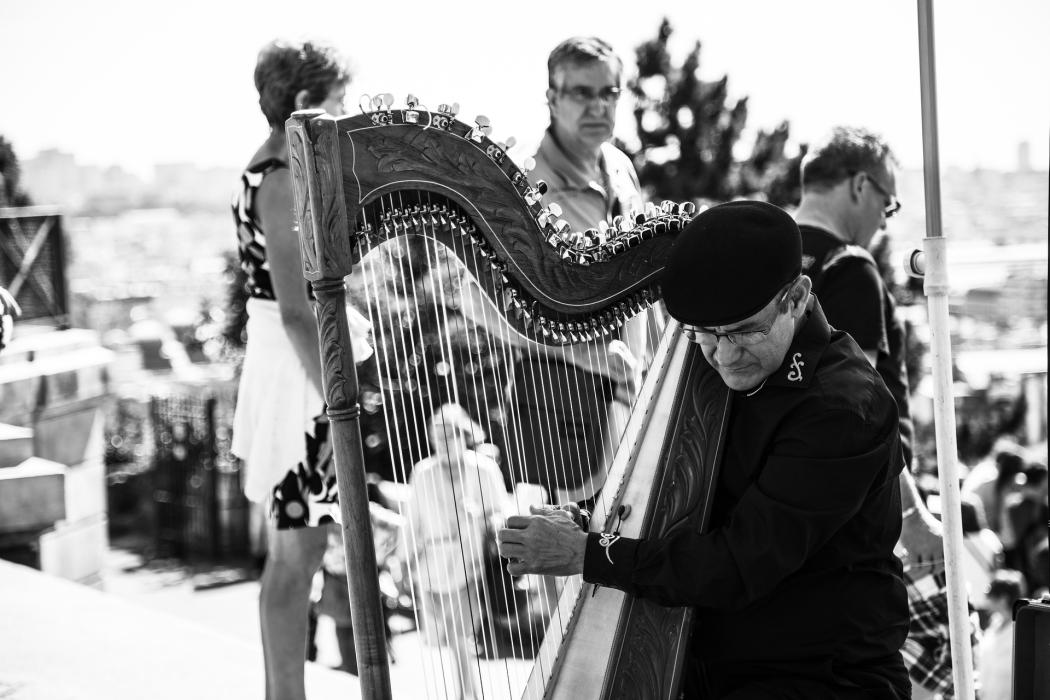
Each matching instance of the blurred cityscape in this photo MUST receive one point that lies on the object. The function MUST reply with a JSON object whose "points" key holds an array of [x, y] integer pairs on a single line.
{"points": [[159, 246]]}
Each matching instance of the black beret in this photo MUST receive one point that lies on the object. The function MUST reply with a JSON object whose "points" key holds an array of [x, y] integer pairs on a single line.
{"points": [[729, 262]]}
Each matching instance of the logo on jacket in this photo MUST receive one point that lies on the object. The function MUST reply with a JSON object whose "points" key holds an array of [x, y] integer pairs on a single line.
{"points": [[795, 375]]}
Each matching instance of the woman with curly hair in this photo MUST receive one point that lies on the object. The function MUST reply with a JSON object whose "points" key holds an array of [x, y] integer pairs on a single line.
{"points": [[279, 428]]}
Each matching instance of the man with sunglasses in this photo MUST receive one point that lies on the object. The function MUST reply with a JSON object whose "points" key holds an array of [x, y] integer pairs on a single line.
{"points": [[848, 195], [795, 585]]}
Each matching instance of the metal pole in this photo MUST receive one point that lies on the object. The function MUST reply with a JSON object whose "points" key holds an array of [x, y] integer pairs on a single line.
{"points": [[936, 288]]}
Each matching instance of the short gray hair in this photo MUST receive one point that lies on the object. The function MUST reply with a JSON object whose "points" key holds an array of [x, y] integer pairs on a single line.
{"points": [[580, 50]]}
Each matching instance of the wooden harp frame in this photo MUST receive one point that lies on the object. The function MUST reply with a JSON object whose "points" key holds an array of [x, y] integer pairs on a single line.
{"points": [[557, 287]]}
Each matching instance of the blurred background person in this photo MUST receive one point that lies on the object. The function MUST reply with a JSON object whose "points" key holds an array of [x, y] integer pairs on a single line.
{"points": [[995, 659], [279, 429], [994, 478], [456, 497], [1026, 520]]}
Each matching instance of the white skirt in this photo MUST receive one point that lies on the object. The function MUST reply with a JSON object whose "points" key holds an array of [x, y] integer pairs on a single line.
{"points": [[276, 402]]}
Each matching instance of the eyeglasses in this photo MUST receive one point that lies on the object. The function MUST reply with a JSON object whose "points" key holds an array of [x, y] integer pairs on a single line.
{"points": [[895, 204], [584, 94], [745, 338]]}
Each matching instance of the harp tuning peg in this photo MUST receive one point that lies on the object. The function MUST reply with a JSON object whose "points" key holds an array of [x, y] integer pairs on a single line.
{"points": [[528, 164], [686, 209], [508, 144], [541, 187], [483, 128], [603, 227], [388, 100], [554, 208]]}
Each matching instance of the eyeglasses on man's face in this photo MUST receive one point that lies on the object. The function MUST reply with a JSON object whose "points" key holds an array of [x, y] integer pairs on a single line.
{"points": [[585, 94], [750, 336], [894, 205]]}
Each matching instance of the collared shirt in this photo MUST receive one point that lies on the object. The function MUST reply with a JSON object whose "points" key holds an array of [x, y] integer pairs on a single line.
{"points": [[796, 574], [585, 200]]}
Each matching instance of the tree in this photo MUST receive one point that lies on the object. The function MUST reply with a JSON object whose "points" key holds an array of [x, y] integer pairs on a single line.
{"points": [[688, 133], [11, 193]]}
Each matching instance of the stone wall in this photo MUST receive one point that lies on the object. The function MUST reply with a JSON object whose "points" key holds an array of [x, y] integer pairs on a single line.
{"points": [[53, 503]]}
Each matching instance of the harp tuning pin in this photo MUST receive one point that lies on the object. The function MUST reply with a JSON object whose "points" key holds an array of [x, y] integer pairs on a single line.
{"points": [[667, 206], [603, 227], [483, 128], [541, 187], [651, 210], [508, 144], [686, 209], [554, 208], [528, 164], [387, 100], [412, 101]]}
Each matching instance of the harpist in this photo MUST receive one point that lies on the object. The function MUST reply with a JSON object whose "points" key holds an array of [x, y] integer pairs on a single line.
{"points": [[795, 585]]}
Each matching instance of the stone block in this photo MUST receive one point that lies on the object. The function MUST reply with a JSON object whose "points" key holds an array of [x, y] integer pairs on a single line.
{"points": [[16, 445], [75, 551], [85, 490], [70, 433], [32, 495]]}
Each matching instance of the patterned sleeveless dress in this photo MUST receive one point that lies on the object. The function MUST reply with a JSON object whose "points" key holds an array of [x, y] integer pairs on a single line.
{"points": [[280, 429]]}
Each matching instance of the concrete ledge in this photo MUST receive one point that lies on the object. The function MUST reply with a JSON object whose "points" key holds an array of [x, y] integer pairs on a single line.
{"points": [[63, 641], [32, 495], [76, 550], [16, 445]]}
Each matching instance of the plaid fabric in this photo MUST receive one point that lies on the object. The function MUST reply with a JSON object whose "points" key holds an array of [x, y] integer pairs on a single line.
{"points": [[927, 651]]}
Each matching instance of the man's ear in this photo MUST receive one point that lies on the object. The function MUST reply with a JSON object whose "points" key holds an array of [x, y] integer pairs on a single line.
{"points": [[302, 99], [800, 295], [856, 186], [551, 94]]}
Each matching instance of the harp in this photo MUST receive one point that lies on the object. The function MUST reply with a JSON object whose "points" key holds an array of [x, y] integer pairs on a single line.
{"points": [[388, 174]]}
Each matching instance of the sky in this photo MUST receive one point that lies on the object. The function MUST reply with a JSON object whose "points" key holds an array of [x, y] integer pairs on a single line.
{"points": [[134, 83]]}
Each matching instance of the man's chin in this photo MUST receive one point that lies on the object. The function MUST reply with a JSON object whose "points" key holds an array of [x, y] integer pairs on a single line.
{"points": [[740, 381]]}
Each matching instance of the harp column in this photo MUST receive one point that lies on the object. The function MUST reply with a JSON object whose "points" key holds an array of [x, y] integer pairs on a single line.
{"points": [[324, 237]]}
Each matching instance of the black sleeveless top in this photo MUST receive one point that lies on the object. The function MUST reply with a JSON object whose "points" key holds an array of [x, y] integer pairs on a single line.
{"points": [[251, 239]]}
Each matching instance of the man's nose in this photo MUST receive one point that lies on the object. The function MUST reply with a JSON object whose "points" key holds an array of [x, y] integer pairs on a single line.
{"points": [[598, 106], [725, 351]]}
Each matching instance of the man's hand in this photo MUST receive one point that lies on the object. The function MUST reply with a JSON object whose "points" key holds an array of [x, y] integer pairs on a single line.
{"points": [[921, 537], [546, 542]]}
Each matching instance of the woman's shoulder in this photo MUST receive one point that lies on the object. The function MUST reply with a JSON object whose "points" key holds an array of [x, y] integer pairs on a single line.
{"points": [[270, 156]]}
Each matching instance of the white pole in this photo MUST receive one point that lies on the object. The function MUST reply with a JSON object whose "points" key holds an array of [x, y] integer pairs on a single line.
{"points": [[936, 288]]}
